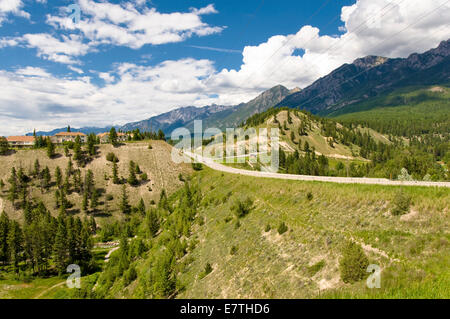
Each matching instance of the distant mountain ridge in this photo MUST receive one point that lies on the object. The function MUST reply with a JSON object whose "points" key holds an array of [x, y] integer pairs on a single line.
{"points": [[212, 116], [219, 116], [369, 76], [348, 85]]}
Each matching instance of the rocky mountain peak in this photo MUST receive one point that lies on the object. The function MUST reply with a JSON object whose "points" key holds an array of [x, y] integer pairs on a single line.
{"points": [[370, 61]]}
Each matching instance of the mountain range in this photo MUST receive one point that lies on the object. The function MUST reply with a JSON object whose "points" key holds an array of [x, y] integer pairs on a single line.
{"points": [[371, 76], [365, 78]]}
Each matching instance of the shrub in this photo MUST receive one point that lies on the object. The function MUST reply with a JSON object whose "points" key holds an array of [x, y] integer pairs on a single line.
{"points": [[207, 271], [282, 228], [242, 208], [197, 166], [353, 264], [144, 177], [109, 197], [180, 177], [233, 250], [309, 196], [150, 147], [401, 203], [111, 157], [268, 228]]}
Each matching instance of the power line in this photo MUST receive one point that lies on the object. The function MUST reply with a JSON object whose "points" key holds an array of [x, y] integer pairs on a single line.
{"points": [[397, 33], [307, 20], [354, 32]]}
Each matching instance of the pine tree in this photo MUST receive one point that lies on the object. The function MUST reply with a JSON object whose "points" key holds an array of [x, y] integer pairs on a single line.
{"points": [[94, 199], [58, 176], [60, 250], [141, 207], [93, 225], [4, 146], [152, 222], [113, 136], [91, 144], [4, 231], [124, 205], [12, 193], [124, 261], [85, 201], [69, 167], [115, 174], [15, 244], [132, 180], [77, 155], [66, 186], [37, 168], [46, 178], [50, 148]]}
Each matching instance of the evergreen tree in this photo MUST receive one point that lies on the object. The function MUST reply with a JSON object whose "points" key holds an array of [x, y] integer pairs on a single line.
{"points": [[152, 222], [4, 146], [113, 136], [69, 167], [132, 180], [58, 176], [93, 225], [161, 135], [89, 182], [4, 231], [163, 202], [115, 174], [85, 202], [37, 168], [60, 247], [50, 148], [94, 199], [124, 204], [66, 151], [12, 193], [141, 207], [77, 155], [15, 244], [91, 144], [46, 178]]}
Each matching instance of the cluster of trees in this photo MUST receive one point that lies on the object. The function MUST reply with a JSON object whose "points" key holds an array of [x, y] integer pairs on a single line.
{"points": [[4, 146], [137, 135], [162, 235], [421, 157], [45, 243]]}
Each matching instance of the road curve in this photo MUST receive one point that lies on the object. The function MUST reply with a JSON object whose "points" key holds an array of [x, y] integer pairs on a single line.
{"points": [[341, 180]]}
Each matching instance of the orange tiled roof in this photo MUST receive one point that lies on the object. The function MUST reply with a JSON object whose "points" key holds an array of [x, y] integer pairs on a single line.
{"points": [[70, 134], [20, 138], [107, 134]]}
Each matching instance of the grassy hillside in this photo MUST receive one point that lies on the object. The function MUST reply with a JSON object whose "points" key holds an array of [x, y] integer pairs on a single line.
{"points": [[229, 257], [303, 262], [162, 173], [407, 112]]}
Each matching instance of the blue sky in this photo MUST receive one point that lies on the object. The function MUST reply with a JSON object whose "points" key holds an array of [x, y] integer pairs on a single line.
{"points": [[129, 60]]}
